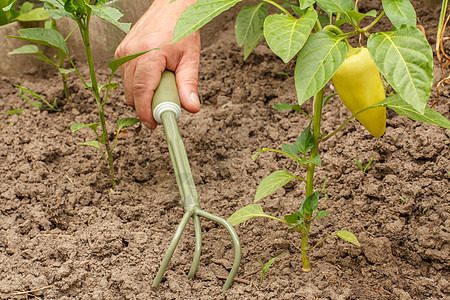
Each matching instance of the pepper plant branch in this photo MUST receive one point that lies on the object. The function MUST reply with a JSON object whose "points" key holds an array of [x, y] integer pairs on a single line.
{"points": [[317, 104], [279, 7], [321, 241], [285, 153], [368, 27], [327, 137]]}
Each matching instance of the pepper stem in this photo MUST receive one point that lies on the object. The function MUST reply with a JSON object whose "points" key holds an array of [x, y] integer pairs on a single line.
{"points": [[317, 117]]}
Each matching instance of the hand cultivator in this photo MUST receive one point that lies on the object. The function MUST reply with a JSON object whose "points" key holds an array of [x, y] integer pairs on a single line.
{"points": [[166, 110]]}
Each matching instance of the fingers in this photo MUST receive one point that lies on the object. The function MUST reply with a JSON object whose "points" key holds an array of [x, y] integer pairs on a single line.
{"points": [[187, 77], [145, 81]]}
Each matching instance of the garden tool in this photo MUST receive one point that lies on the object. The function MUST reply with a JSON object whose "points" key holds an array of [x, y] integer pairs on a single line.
{"points": [[166, 110]]}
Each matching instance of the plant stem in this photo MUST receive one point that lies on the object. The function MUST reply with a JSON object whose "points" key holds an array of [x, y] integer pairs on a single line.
{"points": [[64, 77], [317, 117], [278, 6], [104, 136]]}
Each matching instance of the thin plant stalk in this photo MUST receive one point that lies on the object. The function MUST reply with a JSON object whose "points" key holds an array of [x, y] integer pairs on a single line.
{"points": [[104, 136], [317, 117]]}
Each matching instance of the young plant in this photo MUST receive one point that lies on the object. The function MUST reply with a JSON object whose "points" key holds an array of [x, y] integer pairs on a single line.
{"points": [[26, 12], [312, 31], [360, 166], [265, 267], [45, 13], [81, 11]]}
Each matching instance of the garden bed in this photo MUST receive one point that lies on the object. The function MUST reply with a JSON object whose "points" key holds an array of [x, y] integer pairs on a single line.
{"points": [[64, 234]]}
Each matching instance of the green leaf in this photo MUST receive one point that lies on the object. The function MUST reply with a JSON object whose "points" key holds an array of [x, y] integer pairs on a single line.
{"points": [[248, 212], [27, 49], [317, 62], [77, 126], [94, 144], [8, 7], [305, 141], [266, 267], [115, 64], [24, 90], [405, 59], [56, 9], [404, 109], [290, 149], [66, 71], [304, 4], [38, 14], [360, 166], [15, 111], [110, 14], [327, 98], [292, 218], [321, 213], [310, 204], [271, 183], [126, 122], [282, 106], [316, 160], [286, 35], [26, 7], [336, 6], [198, 15], [44, 36], [249, 26], [76, 7], [356, 17], [348, 236], [400, 12]]}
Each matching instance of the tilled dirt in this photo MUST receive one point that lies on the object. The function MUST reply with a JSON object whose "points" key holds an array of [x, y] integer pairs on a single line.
{"points": [[64, 234]]}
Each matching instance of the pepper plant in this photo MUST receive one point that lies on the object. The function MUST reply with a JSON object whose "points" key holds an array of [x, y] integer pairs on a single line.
{"points": [[81, 11], [58, 63], [317, 33]]}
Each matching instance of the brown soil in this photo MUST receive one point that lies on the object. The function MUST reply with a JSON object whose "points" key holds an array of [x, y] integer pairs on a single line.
{"points": [[64, 233]]}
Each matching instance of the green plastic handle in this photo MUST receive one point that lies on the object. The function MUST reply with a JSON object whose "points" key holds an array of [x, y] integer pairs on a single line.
{"points": [[167, 90]]}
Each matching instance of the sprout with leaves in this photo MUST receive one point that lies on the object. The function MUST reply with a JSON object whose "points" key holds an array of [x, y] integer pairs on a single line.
{"points": [[81, 11], [310, 30]]}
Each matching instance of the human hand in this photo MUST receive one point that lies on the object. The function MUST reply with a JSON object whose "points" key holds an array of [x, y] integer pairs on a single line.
{"points": [[141, 75]]}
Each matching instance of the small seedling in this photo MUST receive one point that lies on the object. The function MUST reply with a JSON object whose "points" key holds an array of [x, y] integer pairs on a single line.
{"points": [[266, 267], [364, 169], [81, 11], [323, 189], [27, 14], [424, 210], [402, 199]]}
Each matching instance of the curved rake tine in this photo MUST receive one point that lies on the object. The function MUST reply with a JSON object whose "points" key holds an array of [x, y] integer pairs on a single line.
{"points": [[171, 249], [237, 245], [198, 247]]}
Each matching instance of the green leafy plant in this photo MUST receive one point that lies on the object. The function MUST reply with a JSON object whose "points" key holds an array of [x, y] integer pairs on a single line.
{"points": [[25, 13], [360, 166], [311, 31], [265, 267], [81, 11]]}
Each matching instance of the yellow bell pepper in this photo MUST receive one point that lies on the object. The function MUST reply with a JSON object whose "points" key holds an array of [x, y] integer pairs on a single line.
{"points": [[358, 84]]}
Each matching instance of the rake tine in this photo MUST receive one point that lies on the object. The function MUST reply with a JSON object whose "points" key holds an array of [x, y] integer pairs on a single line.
{"points": [[198, 247], [171, 249], [237, 245]]}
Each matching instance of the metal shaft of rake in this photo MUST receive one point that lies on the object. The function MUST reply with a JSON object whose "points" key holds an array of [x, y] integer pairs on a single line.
{"points": [[191, 205]]}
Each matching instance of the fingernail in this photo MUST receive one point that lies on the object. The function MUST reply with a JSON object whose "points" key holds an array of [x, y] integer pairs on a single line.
{"points": [[148, 125], [194, 99]]}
